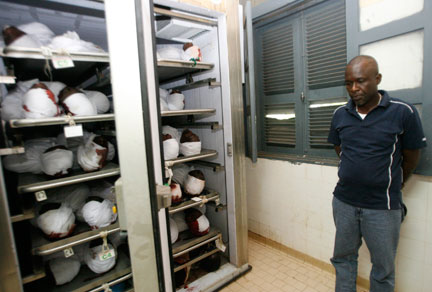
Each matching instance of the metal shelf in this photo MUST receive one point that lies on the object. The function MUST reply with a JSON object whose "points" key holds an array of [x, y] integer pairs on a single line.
{"points": [[176, 14], [190, 242], [29, 63], [205, 153], [210, 196], [211, 82], [195, 260], [26, 214], [36, 53], [114, 282], [29, 183], [87, 280], [212, 125], [5, 79], [64, 120], [38, 272], [173, 69], [42, 246], [215, 166], [188, 112], [11, 151]]}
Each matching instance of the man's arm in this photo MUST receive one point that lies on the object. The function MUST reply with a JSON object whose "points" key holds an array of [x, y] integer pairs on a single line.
{"points": [[338, 150], [409, 162]]}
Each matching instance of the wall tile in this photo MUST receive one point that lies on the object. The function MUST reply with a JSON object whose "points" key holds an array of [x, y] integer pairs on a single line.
{"points": [[287, 203], [427, 280], [428, 254], [409, 274], [313, 172], [411, 249], [413, 229]]}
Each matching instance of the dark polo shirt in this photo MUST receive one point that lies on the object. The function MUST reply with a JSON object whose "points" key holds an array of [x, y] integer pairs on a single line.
{"points": [[370, 173]]}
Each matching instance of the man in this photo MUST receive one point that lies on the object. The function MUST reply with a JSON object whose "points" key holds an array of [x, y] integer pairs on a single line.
{"points": [[378, 139]]}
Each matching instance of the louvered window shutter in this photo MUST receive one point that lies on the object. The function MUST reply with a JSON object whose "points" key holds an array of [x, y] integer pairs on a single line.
{"points": [[301, 59], [326, 46], [278, 60], [280, 125], [326, 57]]}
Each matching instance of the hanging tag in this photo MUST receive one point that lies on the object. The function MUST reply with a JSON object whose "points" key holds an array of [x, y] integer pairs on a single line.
{"points": [[220, 245], [196, 199], [7, 79], [68, 252], [40, 196], [106, 254], [73, 131], [62, 61]]}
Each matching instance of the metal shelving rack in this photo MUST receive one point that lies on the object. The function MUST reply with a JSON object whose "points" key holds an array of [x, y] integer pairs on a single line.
{"points": [[30, 183], [195, 201], [42, 247], [205, 153], [64, 120]]}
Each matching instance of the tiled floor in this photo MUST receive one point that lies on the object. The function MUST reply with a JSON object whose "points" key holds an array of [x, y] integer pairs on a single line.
{"points": [[274, 271]]}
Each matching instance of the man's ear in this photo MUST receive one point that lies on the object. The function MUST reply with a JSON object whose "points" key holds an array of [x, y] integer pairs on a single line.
{"points": [[378, 78]]}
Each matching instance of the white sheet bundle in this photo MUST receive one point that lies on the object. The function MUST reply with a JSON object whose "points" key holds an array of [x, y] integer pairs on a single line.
{"points": [[176, 192], [195, 183], [57, 162], [180, 173], [73, 196], [190, 143], [189, 52], [192, 52], [197, 222], [64, 270], [91, 156], [104, 190], [39, 103], [171, 146], [173, 230], [99, 100], [38, 31], [30, 161], [57, 223], [34, 103], [173, 101], [190, 148], [179, 218], [71, 42], [176, 101], [98, 266], [11, 106], [36, 35], [99, 214], [76, 102]]}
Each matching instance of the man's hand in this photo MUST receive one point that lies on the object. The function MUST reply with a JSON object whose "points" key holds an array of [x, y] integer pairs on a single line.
{"points": [[338, 150]]}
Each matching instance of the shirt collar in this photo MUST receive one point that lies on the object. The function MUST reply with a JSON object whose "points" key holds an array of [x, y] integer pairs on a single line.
{"points": [[385, 101]]}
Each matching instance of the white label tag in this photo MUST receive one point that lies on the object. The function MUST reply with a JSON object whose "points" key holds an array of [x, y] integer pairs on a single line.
{"points": [[105, 255], [73, 131], [196, 199], [40, 196], [220, 245], [7, 79], [68, 252], [61, 62]]}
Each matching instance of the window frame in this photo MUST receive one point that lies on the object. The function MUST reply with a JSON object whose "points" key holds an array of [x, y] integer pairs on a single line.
{"points": [[302, 151], [417, 96]]}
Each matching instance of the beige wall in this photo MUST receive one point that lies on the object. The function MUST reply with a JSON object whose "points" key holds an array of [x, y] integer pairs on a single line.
{"points": [[291, 204]]}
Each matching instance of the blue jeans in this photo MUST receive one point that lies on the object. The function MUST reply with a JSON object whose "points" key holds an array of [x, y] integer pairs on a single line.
{"points": [[380, 230]]}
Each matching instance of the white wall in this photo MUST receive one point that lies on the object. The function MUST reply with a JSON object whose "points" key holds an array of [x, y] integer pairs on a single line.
{"points": [[291, 204]]}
